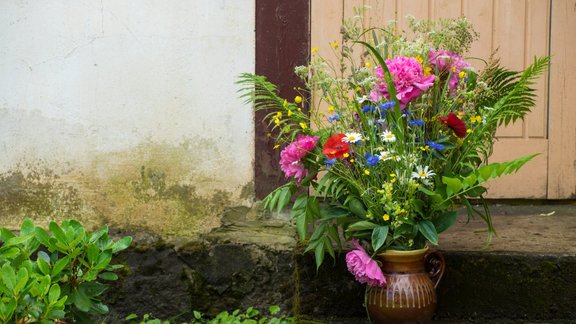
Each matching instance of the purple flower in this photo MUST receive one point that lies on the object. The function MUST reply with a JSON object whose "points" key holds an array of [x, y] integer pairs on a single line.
{"points": [[364, 268], [371, 160], [408, 77], [292, 155], [446, 61]]}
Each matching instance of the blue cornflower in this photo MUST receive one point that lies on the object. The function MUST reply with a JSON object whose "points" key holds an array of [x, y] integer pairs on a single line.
{"points": [[334, 118], [387, 105], [371, 160], [366, 109], [435, 146], [329, 163], [418, 122]]}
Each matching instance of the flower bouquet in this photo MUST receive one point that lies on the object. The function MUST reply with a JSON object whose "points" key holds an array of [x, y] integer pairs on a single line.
{"points": [[398, 135]]}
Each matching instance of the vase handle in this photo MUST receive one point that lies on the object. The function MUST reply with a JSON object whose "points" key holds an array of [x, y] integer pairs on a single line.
{"points": [[434, 264]]}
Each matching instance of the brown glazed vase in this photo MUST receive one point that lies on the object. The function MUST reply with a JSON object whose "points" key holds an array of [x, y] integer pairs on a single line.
{"points": [[409, 295]]}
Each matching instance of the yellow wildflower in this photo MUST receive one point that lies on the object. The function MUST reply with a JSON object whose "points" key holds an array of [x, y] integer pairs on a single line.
{"points": [[276, 146], [351, 160], [346, 155], [331, 108], [303, 125], [276, 121], [469, 130], [419, 59], [386, 217], [298, 99], [366, 172], [290, 113], [427, 71], [476, 119], [314, 50], [279, 114], [367, 64], [462, 74], [334, 44], [425, 148], [285, 103]]}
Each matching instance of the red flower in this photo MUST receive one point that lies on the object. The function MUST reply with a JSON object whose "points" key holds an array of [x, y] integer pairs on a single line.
{"points": [[455, 123], [334, 147]]}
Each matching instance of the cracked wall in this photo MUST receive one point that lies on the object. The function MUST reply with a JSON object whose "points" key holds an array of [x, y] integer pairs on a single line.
{"points": [[125, 112]]}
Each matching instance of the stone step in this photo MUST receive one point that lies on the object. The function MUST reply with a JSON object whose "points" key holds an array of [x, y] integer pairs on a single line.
{"points": [[527, 274]]}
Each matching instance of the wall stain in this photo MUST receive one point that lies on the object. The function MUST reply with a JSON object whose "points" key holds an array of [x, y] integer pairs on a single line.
{"points": [[153, 187]]}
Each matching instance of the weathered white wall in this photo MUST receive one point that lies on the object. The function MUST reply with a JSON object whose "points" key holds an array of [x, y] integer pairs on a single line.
{"points": [[90, 83]]}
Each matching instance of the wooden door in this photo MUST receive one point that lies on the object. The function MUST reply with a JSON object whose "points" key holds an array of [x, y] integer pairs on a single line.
{"points": [[520, 30]]}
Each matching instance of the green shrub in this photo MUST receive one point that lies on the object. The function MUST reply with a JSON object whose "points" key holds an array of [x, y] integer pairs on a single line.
{"points": [[48, 276]]}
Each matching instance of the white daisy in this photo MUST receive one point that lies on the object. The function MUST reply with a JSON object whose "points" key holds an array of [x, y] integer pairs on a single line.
{"points": [[388, 136], [352, 138], [422, 173], [386, 155]]}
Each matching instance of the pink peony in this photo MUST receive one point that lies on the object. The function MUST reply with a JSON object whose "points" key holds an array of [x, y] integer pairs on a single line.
{"points": [[408, 77], [292, 155], [364, 268], [446, 61]]}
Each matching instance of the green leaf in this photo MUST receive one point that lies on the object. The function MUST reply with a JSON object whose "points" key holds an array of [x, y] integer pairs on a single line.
{"points": [[27, 227], [43, 265], [21, 279], [103, 259], [427, 229], [283, 198], [57, 232], [54, 294], [357, 207], [9, 252], [108, 276], [43, 237], [122, 244], [445, 221], [16, 240], [131, 317], [98, 234], [197, 315], [361, 226], [60, 265], [100, 309], [8, 276], [379, 235], [319, 255], [81, 301], [5, 234], [274, 309], [453, 185]]}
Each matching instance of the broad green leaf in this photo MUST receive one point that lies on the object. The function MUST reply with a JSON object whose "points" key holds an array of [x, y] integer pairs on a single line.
{"points": [[57, 313], [27, 227], [427, 229], [54, 294], [9, 252], [445, 221], [8, 276], [19, 240], [274, 309], [21, 280], [100, 309], [103, 259], [93, 288], [379, 235], [81, 301], [361, 226], [122, 244], [5, 234], [283, 198], [357, 207], [43, 265], [98, 234], [453, 185], [60, 265], [43, 238], [92, 252], [108, 276], [58, 232]]}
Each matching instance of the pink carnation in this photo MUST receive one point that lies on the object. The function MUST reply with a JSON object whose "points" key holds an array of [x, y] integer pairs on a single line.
{"points": [[446, 61], [364, 268], [292, 155], [408, 77]]}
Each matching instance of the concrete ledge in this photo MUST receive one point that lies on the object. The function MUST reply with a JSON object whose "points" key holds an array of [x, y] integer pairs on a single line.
{"points": [[527, 274]]}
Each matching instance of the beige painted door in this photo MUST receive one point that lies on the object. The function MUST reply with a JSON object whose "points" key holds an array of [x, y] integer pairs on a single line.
{"points": [[520, 30]]}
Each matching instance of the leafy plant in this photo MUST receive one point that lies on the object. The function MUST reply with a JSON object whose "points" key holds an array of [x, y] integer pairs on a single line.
{"points": [[250, 316], [47, 276]]}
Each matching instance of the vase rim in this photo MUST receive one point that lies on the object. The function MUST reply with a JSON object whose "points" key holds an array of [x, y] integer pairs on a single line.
{"points": [[392, 252]]}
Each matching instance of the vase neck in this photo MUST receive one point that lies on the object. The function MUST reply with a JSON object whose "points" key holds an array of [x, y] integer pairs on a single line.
{"points": [[403, 261]]}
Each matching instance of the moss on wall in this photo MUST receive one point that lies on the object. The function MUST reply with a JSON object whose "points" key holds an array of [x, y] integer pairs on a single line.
{"points": [[153, 187]]}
